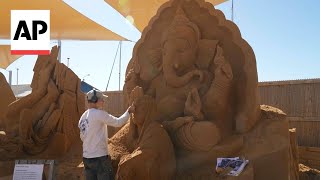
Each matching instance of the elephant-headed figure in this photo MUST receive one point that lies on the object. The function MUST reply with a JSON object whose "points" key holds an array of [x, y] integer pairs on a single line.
{"points": [[183, 70], [203, 79]]}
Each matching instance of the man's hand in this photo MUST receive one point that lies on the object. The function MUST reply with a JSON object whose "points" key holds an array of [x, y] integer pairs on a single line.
{"points": [[131, 109]]}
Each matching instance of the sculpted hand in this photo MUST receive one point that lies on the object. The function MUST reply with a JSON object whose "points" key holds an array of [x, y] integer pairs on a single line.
{"points": [[136, 93], [193, 105], [227, 70]]}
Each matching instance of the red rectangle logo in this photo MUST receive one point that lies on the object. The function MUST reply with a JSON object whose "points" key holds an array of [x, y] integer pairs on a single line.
{"points": [[30, 52]]}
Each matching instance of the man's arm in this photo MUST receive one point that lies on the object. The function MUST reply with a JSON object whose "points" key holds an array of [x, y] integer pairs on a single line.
{"points": [[114, 121]]}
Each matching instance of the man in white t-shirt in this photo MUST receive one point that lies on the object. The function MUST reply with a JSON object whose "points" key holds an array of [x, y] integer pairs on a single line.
{"points": [[94, 135]]}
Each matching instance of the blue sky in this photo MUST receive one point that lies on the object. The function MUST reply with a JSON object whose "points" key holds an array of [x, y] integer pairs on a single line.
{"points": [[284, 35]]}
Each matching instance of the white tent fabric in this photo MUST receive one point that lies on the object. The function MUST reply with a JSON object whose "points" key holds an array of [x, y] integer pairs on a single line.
{"points": [[5, 56], [66, 23], [140, 12], [72, 21]]}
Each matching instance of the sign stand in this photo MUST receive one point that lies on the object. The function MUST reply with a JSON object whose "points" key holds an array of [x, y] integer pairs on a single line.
{"points": [[51, 163]]}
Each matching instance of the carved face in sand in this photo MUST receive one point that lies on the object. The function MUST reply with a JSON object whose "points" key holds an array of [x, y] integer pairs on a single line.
{"points": [[144, 109], [180, 53], [179, 50]]}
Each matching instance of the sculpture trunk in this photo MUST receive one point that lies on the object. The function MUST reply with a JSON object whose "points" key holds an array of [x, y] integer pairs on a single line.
{"points": [[173, 79]]}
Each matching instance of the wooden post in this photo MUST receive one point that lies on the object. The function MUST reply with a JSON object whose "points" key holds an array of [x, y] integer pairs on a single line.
{"points": [[293, 155]]}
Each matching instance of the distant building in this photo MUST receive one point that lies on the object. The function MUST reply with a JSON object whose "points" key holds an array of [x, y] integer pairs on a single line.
{"points": [[21, 90]]}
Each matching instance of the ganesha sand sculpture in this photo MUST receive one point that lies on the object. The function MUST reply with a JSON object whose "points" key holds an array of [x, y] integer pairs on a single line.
{"points": [[203, 77], [186, 70], [182, 79]]}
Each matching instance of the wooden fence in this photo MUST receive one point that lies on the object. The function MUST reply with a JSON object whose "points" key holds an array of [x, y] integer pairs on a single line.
{"points": [[115, 103], [299, 99], [115, 106]]}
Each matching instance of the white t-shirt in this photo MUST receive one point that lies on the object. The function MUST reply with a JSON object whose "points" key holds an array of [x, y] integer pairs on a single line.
{"points": [[94, 133]]}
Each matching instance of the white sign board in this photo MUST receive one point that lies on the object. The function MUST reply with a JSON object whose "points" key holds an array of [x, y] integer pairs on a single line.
{"points": [[28, 172]]}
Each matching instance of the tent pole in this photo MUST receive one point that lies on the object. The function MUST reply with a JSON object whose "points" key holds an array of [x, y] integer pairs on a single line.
{"points": [[115, 57], [17, 76], [10, 77], [60, 49], [232, 15], [120, 65]]}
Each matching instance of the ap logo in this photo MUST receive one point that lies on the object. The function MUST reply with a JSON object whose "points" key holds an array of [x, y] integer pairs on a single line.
{"points": [[30, 32]]}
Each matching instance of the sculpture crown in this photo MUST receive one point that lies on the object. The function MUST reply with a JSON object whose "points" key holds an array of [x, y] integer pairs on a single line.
{"points": [[180, 27]]}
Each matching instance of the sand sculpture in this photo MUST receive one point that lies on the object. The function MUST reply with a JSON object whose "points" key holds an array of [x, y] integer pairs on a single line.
{"points": [[6, 96], [44, 123], [145, 143], [203, 77]]}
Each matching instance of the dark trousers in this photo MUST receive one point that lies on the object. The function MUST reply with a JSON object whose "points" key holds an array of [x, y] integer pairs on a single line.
{"points": [[99, 168]]}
